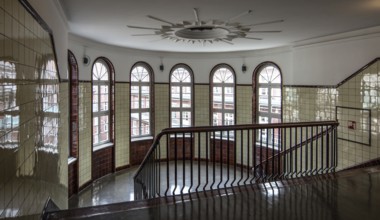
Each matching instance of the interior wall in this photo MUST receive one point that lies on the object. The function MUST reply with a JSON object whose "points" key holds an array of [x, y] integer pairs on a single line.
{"points": [[323, 63], [355, 99], [33, 133], [52, 14]]}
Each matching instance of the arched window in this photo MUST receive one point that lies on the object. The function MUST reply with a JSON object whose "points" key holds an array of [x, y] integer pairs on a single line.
{"points": [[74, 105], [141, 100], [181, 96], [223, 95], [268, 89], [102, 72]]}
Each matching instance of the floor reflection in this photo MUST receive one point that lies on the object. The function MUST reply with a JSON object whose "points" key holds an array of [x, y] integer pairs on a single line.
{"points": [[346, 197]]}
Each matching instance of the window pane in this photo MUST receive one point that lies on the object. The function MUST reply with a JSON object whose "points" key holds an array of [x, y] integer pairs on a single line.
{"points": [[263, 120], [217, 119], [145, 93], [223, 75], [135, 97], [145, 123], [186, 119], [229, 119], [276, 109], [186, 97], [180, 75], [135, 124], [95, 104], [229, 98], [176, 119], [100, 71], [276, 92], [140, 74], [104, 134], [95, 130], [175, 99], [217, 97]]}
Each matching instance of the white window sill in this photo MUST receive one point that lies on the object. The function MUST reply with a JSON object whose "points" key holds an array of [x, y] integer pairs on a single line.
{"points": [[71, 160], [102, 146], [223, 138], [270, 146], [181, 136], [142, 138]]}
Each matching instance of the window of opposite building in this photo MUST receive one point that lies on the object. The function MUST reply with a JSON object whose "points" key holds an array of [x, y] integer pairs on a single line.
{"points": [[101, 102], [223, 95], [268, 84], [141, 100], [181, 96]]}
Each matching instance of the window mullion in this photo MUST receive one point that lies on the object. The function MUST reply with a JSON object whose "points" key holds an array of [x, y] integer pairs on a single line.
{"points": [[223, 104], [180, 105]]}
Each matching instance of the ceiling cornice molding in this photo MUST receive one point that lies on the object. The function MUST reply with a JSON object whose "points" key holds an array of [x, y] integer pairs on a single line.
{"points": [[89, 43], [366, 33], [62, 13]]}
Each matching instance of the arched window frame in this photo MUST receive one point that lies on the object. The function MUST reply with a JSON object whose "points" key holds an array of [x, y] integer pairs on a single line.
{"points": [[256, 97], [189, 109], [74, 105], [109, 111], [223, 85], [140, 110]]}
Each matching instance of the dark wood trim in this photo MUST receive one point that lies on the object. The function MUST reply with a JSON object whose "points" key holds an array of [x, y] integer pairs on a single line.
{"points": [[85, 81], [122, 167], [340, 83], [370, 163], [35, 15], [201, 84], [369, 124], [29, 8], [73, 86], [244, 85], [122, 82], [85, 185], [309, 86], [358, 71], [161, 83]]}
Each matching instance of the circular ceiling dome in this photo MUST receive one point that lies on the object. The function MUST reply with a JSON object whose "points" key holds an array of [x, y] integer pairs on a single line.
{"points": [[202, 32]]}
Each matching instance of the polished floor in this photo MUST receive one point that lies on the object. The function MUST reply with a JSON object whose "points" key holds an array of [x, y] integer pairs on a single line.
{"points": [[110, 189], [119, 187], [348, 195]]}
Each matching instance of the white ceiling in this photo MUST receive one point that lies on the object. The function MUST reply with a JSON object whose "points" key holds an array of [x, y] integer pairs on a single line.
{"points": [[106, 21]]}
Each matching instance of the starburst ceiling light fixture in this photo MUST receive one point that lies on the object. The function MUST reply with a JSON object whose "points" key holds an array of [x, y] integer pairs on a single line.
{"points": [[203, 32]]}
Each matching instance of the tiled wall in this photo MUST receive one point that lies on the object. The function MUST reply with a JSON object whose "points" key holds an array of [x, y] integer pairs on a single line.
{"points": [[302, 103], [85, 148], [122, 124], [33, 150]]}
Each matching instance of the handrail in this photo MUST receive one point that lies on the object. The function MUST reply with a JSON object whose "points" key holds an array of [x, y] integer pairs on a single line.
{"points": [[193, 159], [227, 128], [296, 146]]}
